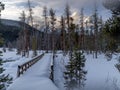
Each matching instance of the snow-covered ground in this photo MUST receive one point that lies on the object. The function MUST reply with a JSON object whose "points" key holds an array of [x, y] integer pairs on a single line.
{"points": [[36, 77], [12, 61], [101, 74]]}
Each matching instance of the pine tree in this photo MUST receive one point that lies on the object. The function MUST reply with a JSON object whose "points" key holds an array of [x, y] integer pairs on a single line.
{"points": [[19, 43], [72, 35], [1, 40], [34, 46], [79, 60], [69, 75], [52, 22], [113, 5], [45, 15], [2, 7], [63, 47], [96, 30], [82, 30], [87, 37], [67, 16], [75, 72], [23, 36], [5, 80], [101, 38], [34, 38], [111, 28]]}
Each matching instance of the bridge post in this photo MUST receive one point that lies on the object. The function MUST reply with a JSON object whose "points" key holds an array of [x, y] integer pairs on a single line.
{"points": [[51, 73], [18, 71]]}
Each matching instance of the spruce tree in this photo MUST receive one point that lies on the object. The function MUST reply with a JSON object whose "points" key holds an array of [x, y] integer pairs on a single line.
{"points": [[95, 16], [46, 24], [2, 7], [1, 40], [111, 28], [75, 72], [82, 36], [33, 36], [113, 6], [5, 80], [69, 75], [79, 60], [62, 36], [67, 16], [23, 38], [52, 23]]}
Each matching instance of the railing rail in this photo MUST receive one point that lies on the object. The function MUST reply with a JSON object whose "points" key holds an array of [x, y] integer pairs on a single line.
{"points": [[22, 68], [118, 67]]}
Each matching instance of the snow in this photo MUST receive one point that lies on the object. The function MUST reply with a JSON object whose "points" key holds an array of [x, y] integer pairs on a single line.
{"points": [[59, 68], [36, 77], [101, 74], [12, 61]]}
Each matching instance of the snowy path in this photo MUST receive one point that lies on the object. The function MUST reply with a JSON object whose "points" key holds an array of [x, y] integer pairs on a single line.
{"points": [[36, 77]]}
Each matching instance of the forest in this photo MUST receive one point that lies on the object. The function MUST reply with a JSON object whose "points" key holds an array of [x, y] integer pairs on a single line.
{"points": [[92, 35]]}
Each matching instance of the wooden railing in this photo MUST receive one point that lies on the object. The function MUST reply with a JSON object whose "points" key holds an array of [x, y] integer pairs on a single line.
{"points": [[118, 67], [22, 68]]}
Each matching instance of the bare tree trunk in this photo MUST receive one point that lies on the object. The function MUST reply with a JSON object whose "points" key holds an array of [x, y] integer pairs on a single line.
{"points": [[82, 30], [63, 34], [34, 42], [52, 14], [46, 28], [96, 31], [67, 12]]}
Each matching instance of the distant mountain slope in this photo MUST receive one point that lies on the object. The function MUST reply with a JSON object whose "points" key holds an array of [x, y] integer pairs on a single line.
{"points": [[10, 22], [10, 29]]}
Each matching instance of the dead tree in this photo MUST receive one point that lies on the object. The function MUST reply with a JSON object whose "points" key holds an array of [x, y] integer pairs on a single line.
{"points": [[96, 30], [67, 14], [45, 15], [24, 36], [62, 22], [82, 30], [34, 41], [52, 22]]}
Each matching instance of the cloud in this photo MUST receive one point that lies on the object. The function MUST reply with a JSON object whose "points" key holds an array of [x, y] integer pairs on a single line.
{"points": [[13, 8], [25, 4]]}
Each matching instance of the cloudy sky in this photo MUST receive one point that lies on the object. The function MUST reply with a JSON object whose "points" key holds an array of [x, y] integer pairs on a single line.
{"points": [[13, 8]]}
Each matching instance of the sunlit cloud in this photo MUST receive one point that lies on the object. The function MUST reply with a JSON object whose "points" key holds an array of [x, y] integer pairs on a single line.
{"points": [[13, 8]]}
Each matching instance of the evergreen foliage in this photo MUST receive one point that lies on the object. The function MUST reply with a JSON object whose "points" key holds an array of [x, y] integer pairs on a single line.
{"points": [[62, 34], [113, 5], [52, 23], [1, 40], [5, 80], [112, 25], [9, 33], [75, 72], [46, 24]]}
